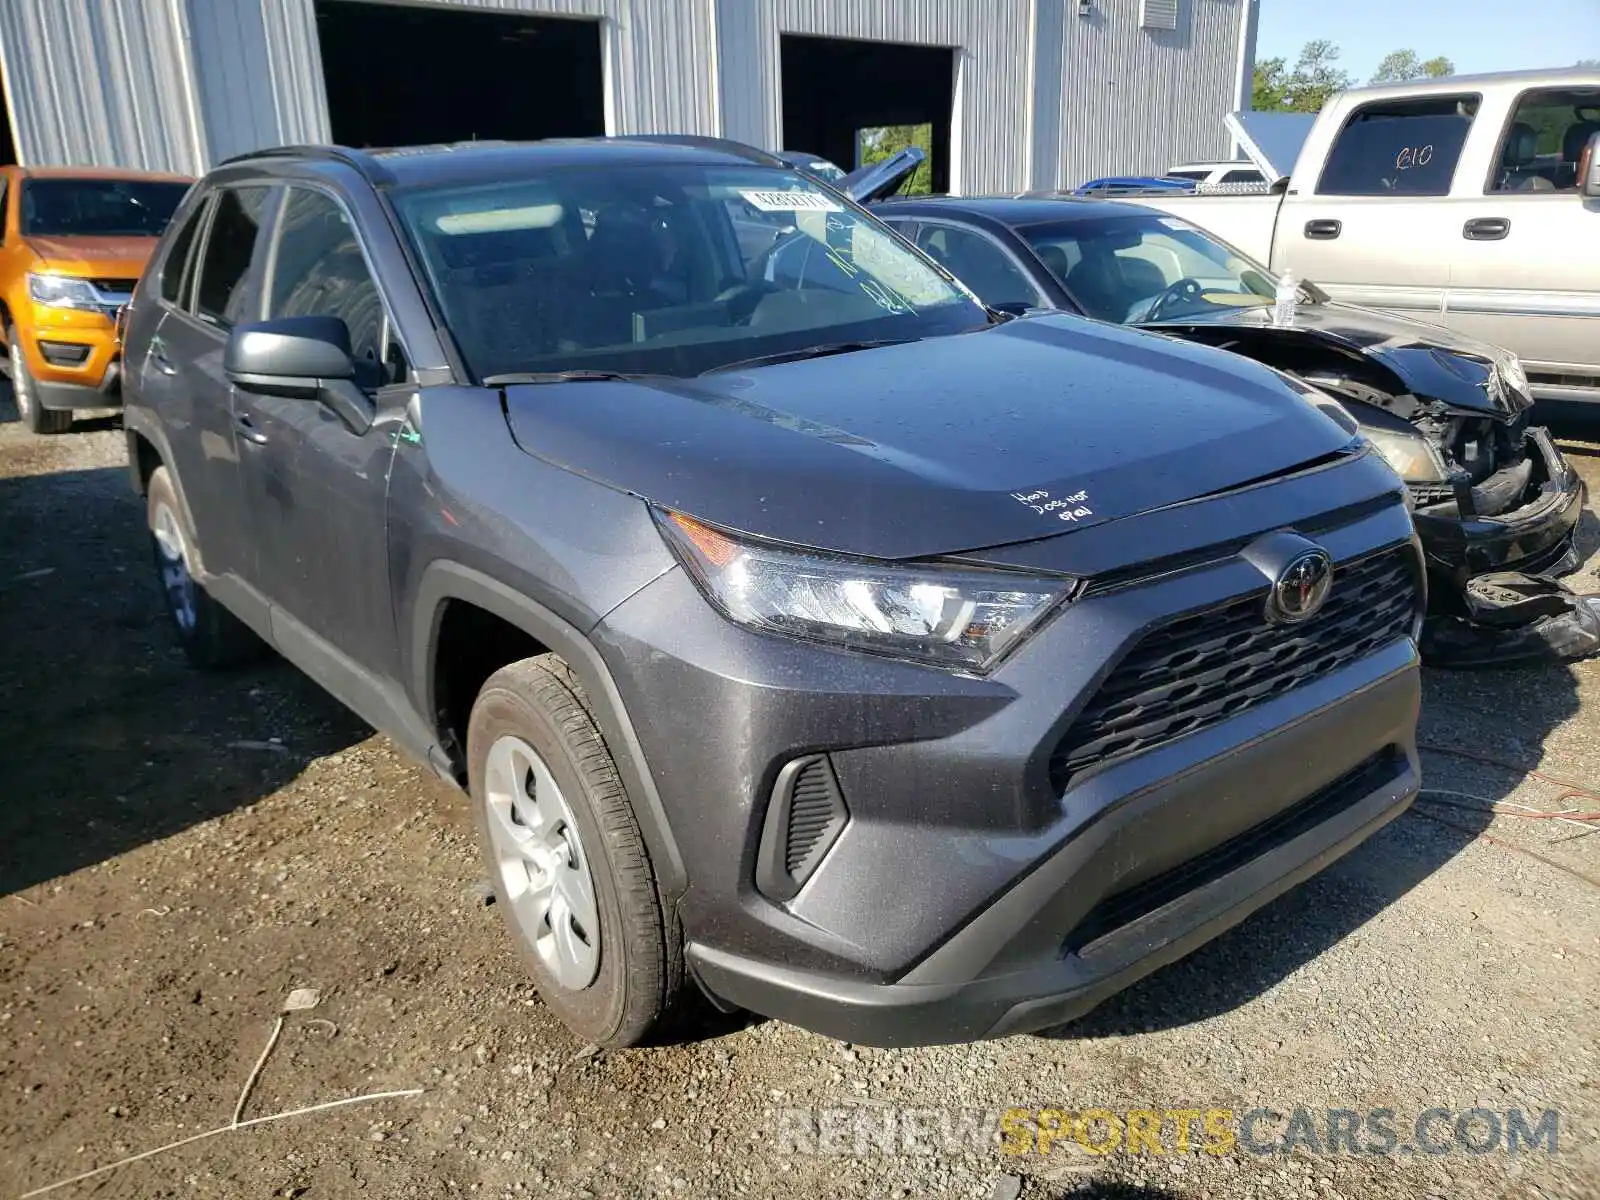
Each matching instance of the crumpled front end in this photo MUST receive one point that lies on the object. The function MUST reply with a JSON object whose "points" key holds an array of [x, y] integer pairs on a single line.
{"points": [[1490, 491]]}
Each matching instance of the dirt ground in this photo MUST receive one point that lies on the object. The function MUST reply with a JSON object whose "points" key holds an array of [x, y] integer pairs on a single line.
{"points": [[179, 851]]}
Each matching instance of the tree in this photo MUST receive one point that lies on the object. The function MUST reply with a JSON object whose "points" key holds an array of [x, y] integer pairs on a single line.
{"points": [[1270, 90], [1402, 65], [1588, 64], [888, 140], [1316, 76]]}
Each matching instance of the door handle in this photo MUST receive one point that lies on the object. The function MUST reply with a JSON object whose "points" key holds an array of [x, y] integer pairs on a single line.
{"points": [[1486, 229], [1323, 231], [247, 430]]}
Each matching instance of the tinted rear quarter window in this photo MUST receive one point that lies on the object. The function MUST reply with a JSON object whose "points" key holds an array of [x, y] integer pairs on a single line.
{"points": [[226, 293], [1399, 148]]}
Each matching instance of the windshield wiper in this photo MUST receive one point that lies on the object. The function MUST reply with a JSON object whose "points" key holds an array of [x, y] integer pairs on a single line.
{"points": [[820, 351], [517, 377]]}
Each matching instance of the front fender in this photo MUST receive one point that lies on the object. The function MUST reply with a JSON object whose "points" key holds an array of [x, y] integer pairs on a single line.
{"points": [[444, 581]]}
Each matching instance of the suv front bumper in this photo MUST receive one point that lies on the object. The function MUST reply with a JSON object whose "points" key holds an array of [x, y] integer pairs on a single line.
{"points": [[94, 380], [1067, 960]]}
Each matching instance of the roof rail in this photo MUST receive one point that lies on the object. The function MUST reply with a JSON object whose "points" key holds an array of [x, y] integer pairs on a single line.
{"points": [[365, 164]]}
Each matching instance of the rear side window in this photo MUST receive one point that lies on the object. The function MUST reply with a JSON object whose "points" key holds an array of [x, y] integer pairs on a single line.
{"points": [[175, 267], [979, 263], [226, 293], [1399, 148], [319, 271]]}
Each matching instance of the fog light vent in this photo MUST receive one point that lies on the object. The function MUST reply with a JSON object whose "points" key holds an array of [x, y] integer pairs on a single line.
{"points": [[64, 354], [805, 818]]}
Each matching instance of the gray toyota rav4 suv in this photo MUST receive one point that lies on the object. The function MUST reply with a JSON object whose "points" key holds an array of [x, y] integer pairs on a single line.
{"points": [[797, 626]]}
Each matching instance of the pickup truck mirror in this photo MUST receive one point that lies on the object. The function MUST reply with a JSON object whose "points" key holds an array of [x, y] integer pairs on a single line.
{"points": [[299, 358], [1589, 169]]}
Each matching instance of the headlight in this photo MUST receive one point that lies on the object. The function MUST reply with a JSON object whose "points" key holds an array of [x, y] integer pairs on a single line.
{"points": [[1413, 456], [62, 291], [966, 619], [1512, 374]]}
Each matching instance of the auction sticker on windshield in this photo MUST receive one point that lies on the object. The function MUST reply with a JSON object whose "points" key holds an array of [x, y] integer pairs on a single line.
{"points": [[790, 201]]}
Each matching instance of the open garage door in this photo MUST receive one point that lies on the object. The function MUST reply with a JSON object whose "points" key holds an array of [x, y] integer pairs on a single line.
{"points": [[839, 93], [401, 74]]}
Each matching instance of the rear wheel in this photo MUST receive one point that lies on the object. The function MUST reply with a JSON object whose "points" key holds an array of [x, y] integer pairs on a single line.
{"points": [[26, 393], [211, 636], [569, 866]]}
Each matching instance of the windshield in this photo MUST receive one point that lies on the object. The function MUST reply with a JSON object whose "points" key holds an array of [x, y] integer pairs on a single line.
{"points": [[98, 207], [1144, 267], [672, 269]]}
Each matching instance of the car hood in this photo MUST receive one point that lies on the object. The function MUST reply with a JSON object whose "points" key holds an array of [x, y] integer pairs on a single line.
{"points": [[1430, 361], [1020, 431], [115, 257]]}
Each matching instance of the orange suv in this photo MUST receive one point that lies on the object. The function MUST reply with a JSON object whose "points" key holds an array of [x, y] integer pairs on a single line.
{"points": [[72, 245]]}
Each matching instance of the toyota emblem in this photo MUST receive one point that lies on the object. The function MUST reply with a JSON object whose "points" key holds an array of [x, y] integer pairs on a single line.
{"points": [[1301, 587]]}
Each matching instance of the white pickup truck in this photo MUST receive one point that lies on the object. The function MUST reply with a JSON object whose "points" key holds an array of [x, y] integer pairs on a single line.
{"points": [[1473, 202]]}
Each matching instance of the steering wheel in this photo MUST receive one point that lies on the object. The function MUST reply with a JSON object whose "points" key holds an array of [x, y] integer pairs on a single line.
{"points": [[1186, 288]]}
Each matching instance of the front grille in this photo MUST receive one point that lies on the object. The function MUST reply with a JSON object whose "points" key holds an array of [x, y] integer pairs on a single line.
{"points": [[1208, 666], [123, 286]]}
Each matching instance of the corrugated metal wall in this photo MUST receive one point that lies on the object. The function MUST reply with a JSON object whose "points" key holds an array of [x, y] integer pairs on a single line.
{"points": [[1046, 96], [100, 83], [1139, 100]]}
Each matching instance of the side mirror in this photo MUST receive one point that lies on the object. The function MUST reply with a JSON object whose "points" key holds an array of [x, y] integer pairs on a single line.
{"points": [[1589, 169], [299, 358]]}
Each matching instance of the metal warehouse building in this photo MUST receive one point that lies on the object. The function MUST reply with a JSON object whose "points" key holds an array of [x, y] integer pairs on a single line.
{"points": [[1019, 93]]}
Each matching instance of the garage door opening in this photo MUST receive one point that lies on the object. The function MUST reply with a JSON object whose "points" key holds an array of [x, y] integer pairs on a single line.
{"points": [[400, 75], [848, 100]]}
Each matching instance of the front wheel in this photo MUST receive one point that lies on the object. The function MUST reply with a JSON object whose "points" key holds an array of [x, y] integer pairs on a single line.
{"points": [[25, 392], [211, 636], [570, 869]]}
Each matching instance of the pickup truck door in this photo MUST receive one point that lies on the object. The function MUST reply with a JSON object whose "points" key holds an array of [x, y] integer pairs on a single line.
{"points": [[1374, 226], [315, 489], [1527, 243]]}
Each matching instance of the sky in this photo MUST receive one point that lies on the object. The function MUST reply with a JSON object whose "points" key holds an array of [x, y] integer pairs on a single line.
{"points": [[1477, 35]]}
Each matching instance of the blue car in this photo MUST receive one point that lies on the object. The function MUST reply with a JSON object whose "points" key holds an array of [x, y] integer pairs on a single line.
{"points": [[1132, 185]]}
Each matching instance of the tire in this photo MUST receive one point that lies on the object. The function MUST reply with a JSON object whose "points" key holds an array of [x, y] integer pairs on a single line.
{"points": [[211, 636], [611, 984], [23, 391]]}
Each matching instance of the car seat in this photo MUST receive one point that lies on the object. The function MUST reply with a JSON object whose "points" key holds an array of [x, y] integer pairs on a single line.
{"points": [[1521, 153], [1572, 147]]}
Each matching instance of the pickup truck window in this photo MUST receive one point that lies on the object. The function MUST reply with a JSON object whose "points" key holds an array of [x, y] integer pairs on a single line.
{"points": [[1399, 148], [1544, 140]]}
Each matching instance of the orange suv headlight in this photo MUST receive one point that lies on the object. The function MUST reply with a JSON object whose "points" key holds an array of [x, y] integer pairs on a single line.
{"points": [[63, 291]]}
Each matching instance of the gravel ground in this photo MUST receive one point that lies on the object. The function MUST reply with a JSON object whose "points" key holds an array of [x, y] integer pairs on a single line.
{"points": [[179, 851]]}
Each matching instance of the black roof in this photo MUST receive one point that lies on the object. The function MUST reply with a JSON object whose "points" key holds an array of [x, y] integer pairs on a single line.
{"points": [[472, 161], [1015, 210]]}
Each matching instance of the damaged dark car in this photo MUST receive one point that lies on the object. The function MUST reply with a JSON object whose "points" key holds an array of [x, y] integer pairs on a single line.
{"points": [[1491, 491]]}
